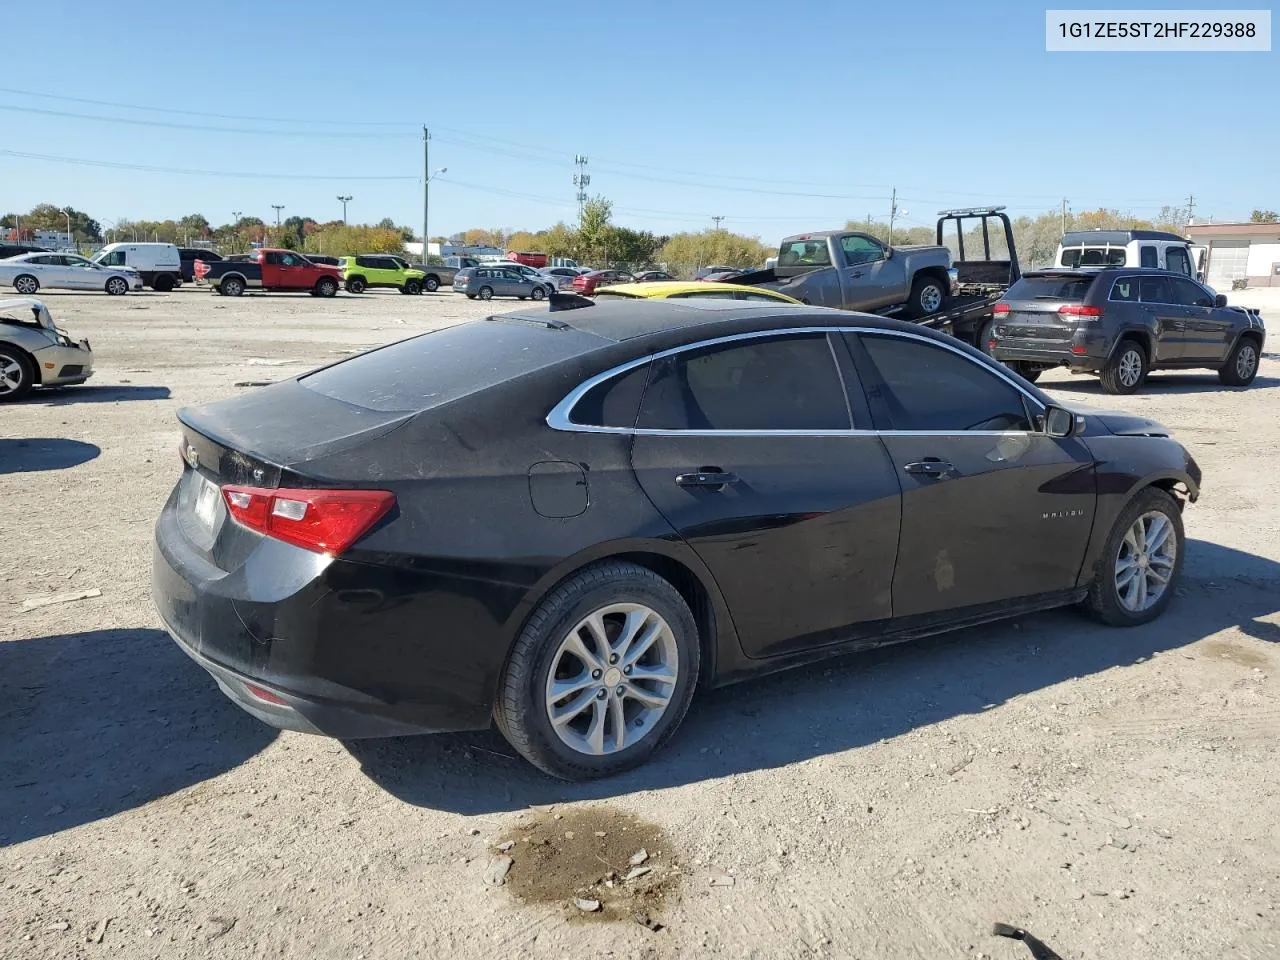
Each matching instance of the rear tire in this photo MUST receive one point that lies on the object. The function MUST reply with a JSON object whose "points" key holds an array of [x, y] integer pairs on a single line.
{"points": [[17, 374], [1025, 370], [985, 333], [431, 284], [117, 287], [162, 283], [326, 287], [928, 296], [1242, 364], [485, 293], [1105, 600], [232, 287], [26, 285], [1126, 370], [521, 710], [356, 285]]}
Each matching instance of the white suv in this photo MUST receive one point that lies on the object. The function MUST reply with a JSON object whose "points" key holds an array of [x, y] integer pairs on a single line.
{"points": [[1128, 248]]}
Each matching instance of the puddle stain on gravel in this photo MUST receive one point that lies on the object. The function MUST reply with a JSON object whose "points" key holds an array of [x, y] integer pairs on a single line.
{"points": [[559, 860]]}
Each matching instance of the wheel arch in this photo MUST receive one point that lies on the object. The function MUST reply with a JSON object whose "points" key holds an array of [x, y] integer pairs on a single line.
{"points": [[234, 273], [30, 357], [674, 562], [1139, 335]]}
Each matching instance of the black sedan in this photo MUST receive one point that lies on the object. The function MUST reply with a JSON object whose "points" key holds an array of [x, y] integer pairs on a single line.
{"points": [[564, 521]]}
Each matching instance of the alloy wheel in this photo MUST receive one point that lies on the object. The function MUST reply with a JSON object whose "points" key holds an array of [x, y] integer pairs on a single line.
{"points": [[930, 299], [1130, 367], [1145, 564], [11, 375], [26, 286], [1246, 361], [612, 678]]}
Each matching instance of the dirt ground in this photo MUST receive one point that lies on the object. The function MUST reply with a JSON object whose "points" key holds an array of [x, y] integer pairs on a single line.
{"points": [[1115, 792]]}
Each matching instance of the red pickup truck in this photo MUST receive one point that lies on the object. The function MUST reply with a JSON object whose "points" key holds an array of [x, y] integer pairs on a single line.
{"points": [[268, 270]]}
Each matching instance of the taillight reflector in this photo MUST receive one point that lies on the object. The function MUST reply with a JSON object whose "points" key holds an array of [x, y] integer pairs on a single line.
{"points": [[1000, 310], [266, 696], [1077, 310], [326, 521], [1078, 349]]}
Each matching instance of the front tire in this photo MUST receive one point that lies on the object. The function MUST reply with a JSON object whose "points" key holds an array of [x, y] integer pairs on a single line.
{"points": [[1126, 369], [117, 287], [17, 375], [413, 287], [601, 675], [1241, 366], [928, 296], [356, 285], [486, 293], [26, 285], [538, 293], [1141, 562], [326, 287]]}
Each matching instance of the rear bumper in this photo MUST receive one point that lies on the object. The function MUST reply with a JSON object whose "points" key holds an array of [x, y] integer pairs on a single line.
{"points": [[1086, 349], [312, 633]]}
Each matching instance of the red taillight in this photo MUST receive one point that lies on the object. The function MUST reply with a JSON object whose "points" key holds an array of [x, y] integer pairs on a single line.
{"points": [[327, 521], [1078, 349], [1000, 310], [1077, 310], [266, 696]]}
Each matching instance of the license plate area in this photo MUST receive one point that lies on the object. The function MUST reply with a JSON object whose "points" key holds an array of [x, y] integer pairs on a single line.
{"points": [[206, 500]]}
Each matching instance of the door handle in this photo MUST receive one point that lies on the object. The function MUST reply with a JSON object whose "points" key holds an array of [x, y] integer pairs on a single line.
{"points": [[856, 274], [710, 478], [929, 467]]}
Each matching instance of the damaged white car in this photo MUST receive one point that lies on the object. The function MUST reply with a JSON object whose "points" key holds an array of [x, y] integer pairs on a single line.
{"points": [[35, 352]]}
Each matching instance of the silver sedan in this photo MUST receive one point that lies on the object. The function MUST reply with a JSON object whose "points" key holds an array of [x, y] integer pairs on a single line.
{"points": [[34, 352]]}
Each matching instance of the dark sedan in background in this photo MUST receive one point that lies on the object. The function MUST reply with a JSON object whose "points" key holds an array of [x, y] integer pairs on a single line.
{"points": [[565, 521], [588, 282]]}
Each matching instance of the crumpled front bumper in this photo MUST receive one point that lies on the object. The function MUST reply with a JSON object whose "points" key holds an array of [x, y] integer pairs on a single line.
{"points": [[60, 365]]}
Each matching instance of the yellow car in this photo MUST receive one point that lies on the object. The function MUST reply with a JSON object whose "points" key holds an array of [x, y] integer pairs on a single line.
{"points": [[682, 290]]}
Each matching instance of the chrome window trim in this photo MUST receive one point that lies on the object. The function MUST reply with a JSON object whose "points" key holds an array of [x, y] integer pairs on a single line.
{"points": [[559, 417]]}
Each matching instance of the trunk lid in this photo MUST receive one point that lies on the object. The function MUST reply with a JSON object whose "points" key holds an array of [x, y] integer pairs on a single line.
{"points": [[1034, 303]]}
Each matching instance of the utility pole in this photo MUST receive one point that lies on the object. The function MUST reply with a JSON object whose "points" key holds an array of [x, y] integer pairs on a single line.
{"points": [[580, 180], [426, 186], [343, 200], [277, 207], [1191, 207], [235, 222], [893, 213], [717, 220], [1064, 216]]}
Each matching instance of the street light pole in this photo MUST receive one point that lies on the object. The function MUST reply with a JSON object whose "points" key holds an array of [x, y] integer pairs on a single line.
{"points": [[426, 187], [343, 200], [277, 207], [71, 240]]}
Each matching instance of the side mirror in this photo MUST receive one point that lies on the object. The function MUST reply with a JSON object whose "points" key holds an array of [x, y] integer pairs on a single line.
{"points": [[1220, 300], [1061, 423], [888, 252]]}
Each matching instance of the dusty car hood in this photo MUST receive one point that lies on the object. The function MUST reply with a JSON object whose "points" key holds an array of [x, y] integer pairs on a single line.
{"points": [[1121, 424]]}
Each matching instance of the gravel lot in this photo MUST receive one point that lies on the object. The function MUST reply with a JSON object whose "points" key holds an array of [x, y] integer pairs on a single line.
{"points": [[1117, 793]]}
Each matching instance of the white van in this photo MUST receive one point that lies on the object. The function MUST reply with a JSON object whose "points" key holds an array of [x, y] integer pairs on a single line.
{"points": [[159, 263], [1128, 248]]}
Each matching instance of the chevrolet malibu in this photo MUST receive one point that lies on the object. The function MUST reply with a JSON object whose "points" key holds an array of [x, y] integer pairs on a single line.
{"points": [[565, 522]]}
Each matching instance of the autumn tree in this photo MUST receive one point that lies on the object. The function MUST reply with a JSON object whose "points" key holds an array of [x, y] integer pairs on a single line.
{"points": [[1264, 216], [686, 252]]}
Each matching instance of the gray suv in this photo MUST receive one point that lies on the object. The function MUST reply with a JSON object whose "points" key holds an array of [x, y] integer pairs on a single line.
{"points": [[489, 282], [1122, 323]]}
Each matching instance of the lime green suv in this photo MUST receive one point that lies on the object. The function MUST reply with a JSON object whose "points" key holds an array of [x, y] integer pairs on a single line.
{"points": [[380, 270]]}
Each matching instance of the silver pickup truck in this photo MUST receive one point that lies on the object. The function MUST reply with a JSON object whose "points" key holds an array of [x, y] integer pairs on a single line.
{"points": [[855, 271]]}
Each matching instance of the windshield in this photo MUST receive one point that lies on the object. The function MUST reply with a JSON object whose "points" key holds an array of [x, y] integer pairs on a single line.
{"points": [[1092, 257]]}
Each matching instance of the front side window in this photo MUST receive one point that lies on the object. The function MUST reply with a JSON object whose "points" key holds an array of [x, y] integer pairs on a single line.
{"points": [[924, 387], [783, 383], [1190, 294], [1176, 260], [113, 259], [861, 250], [292, 260]]}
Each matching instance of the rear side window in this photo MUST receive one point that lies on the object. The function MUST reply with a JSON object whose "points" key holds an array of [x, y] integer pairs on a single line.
{"points": [[1092, 257], [783, 383], [1149, 257], [1050, 288], [930, 389], [1126, 289], [1157, 290], [613, 403]]}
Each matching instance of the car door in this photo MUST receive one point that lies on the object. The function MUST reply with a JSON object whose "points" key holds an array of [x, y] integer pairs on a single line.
{"points": [[295, 271], [81, 274], [870, 277], [1207, 329], [993, 510], [48, 269], [747, 448], [1168, 317]]}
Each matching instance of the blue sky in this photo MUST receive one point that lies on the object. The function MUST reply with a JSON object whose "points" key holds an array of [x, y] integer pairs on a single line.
{"points": [[778, 117]]}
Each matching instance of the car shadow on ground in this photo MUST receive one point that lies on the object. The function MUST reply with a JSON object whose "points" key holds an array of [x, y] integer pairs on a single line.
{"points": [[846, 703], [92, 724], [1162, 383], [61, 396], [34, 454]]}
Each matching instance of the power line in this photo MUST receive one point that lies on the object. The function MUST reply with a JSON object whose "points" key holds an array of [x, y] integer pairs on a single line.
{"points": [[150, 168], [209, 129]]}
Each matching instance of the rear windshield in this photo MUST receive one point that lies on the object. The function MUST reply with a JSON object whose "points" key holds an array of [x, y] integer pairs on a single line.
{"points": [[1092, 257], [1050, 288], [803, 253], [446, 365]]}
